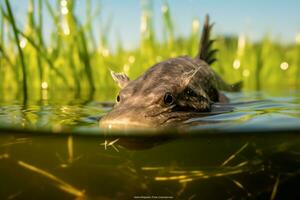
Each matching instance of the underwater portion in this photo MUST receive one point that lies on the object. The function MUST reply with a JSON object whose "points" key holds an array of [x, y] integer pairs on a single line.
{"points": [[237, 166]]}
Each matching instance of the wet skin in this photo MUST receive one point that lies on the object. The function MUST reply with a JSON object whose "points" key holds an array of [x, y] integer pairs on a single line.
{"points": [[169, 92]]}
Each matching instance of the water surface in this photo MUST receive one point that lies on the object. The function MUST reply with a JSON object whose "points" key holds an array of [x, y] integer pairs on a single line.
{"points": [[55, 149], [246, 111]]}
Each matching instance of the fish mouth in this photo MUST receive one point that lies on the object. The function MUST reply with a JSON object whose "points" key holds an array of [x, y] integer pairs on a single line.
{"points": [[122, 124], [149, 122], [154, 120]]}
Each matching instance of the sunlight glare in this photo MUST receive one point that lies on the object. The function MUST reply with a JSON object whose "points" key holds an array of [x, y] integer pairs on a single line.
{"points": [[44, 85], [284, 66], [23, 43], [236, 64]]}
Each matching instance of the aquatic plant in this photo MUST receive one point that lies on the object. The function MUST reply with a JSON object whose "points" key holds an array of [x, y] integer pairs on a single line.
{"points": [[68, 57]]}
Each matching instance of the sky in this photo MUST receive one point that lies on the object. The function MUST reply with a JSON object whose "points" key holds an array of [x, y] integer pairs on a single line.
{"points": [[255, 18]]}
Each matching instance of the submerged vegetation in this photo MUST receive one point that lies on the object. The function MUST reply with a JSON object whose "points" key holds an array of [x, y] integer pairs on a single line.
{"points": [[79, 168], [35, 61]]}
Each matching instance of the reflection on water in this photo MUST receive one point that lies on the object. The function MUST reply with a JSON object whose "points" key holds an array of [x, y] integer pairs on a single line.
{"points": [[251, 152], [247, 110]]}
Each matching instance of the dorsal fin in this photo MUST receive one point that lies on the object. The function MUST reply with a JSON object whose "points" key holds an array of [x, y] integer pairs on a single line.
{"points": [[206, 52]]}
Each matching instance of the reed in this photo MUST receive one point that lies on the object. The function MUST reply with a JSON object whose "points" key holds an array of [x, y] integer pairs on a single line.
{"points": [[20, 51], [68, 57]]}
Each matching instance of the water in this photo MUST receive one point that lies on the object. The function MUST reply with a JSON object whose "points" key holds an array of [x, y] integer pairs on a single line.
{"points": [[54, 149]]}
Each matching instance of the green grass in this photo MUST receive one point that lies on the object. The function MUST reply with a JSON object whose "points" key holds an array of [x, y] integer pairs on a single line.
{"points": [[73, 60]]}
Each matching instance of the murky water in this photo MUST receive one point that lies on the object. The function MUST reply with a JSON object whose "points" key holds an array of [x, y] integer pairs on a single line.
{"points": [[55, 150]]}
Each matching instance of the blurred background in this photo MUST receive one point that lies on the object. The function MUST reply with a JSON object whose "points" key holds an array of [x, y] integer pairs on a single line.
{"points": [[55, 85], [51, 45]]}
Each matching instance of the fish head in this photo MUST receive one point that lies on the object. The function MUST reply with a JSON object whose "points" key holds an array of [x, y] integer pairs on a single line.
{"points": [[164, 95]]}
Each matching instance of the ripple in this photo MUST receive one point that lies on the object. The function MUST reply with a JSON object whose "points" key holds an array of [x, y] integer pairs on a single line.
{"points": [[250, 110]]}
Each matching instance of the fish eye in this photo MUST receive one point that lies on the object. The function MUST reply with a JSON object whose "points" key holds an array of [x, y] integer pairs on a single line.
{"points": [[168, 99], [118, 98]]}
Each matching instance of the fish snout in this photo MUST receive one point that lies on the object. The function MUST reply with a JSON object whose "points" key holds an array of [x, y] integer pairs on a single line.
{"points": [[119, 120]]}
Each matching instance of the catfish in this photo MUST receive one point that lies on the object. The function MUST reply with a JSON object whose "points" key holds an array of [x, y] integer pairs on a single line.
{"points": [[171, 91]]}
